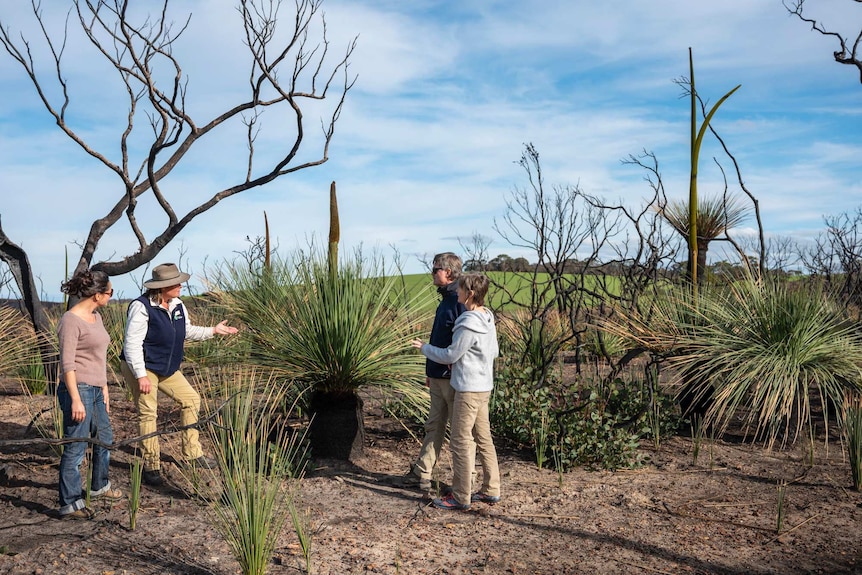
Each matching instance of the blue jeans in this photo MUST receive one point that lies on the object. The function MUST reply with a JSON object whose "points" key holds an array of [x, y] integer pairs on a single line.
{"points": [[95, 425]]}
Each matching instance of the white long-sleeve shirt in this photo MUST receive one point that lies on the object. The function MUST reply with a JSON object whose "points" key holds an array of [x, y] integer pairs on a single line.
{"points": [[136, 330]]}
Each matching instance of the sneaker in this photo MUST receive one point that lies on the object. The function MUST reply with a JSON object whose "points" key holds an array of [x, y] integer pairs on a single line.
{"points": [[108, 494], [152, 478], [410, 479], [449, 502], [481, 497], [204, 462], [83, 513]]}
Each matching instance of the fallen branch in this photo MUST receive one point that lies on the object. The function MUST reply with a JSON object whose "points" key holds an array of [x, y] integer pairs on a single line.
{"points": [[780, 535], [540, 516], [117, 445], [710, 519]]}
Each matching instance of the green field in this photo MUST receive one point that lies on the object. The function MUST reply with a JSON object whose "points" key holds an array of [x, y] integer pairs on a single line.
{"points": [[516, 284]]}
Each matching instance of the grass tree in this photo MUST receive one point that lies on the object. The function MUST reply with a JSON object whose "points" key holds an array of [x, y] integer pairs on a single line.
{"points": [[715, 216], [694, 234], [334, 334], [759, 351]]}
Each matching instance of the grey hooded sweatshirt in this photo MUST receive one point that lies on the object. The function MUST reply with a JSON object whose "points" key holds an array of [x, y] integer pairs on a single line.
{"points": [[474, 347]]}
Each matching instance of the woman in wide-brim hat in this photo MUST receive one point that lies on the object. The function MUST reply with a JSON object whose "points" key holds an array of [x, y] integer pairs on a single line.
{"points": [[157, 327]]}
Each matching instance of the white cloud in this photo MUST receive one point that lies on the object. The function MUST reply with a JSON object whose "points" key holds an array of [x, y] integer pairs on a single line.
{"points": [[448, 94]]}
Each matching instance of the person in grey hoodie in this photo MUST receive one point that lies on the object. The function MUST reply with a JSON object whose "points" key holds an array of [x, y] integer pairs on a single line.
{"points": [[471, 355]]}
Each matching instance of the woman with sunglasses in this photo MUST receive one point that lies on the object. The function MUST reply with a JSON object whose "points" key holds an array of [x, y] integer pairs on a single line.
{"points": [[83, 393]]}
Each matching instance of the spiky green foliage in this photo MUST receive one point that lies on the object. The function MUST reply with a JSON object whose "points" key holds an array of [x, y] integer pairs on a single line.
{"points": [[136, 468], [216, 351], [333, 333], [19, 349], [260, 462], [114, 318], [528, 337], [853, 433], [760, 350], [715, 216]]}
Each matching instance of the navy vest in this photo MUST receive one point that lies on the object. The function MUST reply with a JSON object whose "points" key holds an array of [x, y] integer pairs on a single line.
{"points": [[163, 345]]}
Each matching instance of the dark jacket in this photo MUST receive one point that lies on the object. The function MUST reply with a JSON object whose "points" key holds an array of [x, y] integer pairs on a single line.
{"points": [[163, 345], [441, 333]]}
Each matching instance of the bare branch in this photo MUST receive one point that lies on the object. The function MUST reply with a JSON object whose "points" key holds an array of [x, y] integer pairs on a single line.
{"points": [[848, 54], [141, 51]]}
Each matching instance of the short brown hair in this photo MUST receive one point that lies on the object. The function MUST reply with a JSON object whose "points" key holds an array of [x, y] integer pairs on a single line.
{"points": [[476, 286], [450, 262]]}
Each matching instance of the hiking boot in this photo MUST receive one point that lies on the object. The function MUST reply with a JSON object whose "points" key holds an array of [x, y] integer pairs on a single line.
{"points": [[449, 502], [108, 494], [410, 479], [152, 478], [83, 513], [204, 462], [489, 499]]}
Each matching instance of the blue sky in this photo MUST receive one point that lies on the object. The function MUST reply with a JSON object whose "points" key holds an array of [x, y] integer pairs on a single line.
{"points": [[447, 95]]}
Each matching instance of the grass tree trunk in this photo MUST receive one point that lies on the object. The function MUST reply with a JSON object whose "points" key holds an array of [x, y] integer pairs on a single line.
{"points": [[701, 261], [338, 426]]}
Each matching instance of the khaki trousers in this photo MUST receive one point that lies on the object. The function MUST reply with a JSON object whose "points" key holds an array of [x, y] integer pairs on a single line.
{"points": [[471, 440], [177, 387], [442, 397]]}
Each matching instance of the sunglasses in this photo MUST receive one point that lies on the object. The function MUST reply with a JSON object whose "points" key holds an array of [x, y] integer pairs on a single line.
{"points": [[435, 270]]}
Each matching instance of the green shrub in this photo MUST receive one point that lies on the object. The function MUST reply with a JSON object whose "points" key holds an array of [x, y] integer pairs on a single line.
{"points": [[596, 424]]}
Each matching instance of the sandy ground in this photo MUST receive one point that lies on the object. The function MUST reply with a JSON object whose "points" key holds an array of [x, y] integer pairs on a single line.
{"points": [[718, 514]]}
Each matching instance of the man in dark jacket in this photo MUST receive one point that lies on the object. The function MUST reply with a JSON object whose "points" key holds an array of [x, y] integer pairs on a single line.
{"points": [[445, 271]]}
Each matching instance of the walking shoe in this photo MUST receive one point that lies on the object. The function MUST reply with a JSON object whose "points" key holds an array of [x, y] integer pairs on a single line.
{"points": [[410, 479], [204, 462], [83, 513], [152, 478], [449, 502], [109, 494], [489, 499]]}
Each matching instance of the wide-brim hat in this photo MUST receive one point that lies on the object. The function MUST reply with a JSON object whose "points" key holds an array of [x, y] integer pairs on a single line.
{"points": [[166, 275]]}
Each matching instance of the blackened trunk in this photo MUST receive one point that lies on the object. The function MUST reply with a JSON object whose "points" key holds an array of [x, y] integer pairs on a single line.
{"points": [[19, 264], [337, 428]]}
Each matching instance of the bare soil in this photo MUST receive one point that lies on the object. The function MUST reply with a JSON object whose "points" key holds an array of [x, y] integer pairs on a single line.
{"points": [[717, 514]]}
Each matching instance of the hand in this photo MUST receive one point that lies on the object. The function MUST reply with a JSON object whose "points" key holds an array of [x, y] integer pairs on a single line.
{"points": [[417, 343], [78, 411], [224, 329], [144, 385], [107, 399], [427, 382]]}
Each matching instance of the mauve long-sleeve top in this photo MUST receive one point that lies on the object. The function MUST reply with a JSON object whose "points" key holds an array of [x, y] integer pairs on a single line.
{"points": [[83, 349]]}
